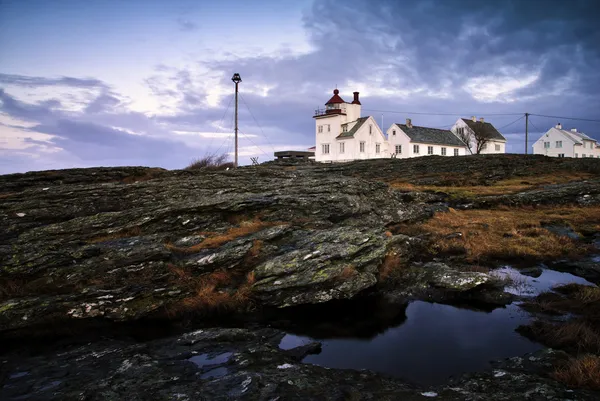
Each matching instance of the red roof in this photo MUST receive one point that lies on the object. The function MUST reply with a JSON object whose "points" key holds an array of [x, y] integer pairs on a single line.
{"points": [[336, 98]]}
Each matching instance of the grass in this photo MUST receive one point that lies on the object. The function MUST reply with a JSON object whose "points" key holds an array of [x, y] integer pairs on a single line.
{"points": [[212, 162], [215, 240], [507, 233], [127, 233], [215, 292], [392, 267], [502, 187], [576, 335], [348, 272], [569, 298], [583, 371]]}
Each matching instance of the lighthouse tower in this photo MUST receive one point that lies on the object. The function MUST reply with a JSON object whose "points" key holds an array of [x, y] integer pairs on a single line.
{"points": [[330, 124]]}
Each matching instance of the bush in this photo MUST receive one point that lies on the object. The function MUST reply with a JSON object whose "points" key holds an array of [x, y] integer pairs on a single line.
{"points": [[214, 162]]}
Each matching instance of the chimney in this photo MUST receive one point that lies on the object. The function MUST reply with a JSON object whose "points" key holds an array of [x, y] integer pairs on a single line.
{"points": [[409, 123], [356, 101], [573, 129], [473, 119], [481, 120]]}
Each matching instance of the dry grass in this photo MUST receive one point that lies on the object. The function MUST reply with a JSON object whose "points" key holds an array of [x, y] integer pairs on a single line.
{"points": [[127, 233], [212, 293], [392, 267], [7, 195], [256, 248], [348, 272], [508, 233], [583, 371], [507, 186], [569, 298], [215, 240], [578, 335]]}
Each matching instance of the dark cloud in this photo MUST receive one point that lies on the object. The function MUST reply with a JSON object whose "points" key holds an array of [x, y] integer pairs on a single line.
{"points": [[21, 80]]}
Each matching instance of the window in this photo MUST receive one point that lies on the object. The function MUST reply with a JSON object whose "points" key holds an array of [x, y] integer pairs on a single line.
{"points": [[398, 149], [546, 145], [342, 147], [429, 150], [344, 128], [370, 129], [377, 147], [561, 155], [416, 149], [320, 128], [583, 155], [455, 152], [325, 148], [443, 151], [576, 155], [497, 147], [460, 131], [394, 132], [484, 146], [362, 147], [559, 144]]}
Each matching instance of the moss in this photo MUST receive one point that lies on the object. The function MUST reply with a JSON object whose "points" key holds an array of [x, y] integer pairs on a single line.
{"points": [[6, 306]]}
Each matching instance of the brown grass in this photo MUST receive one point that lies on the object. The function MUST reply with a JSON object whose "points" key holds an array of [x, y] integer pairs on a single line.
{"points": [[256, 248], [578, 335], [348, 272], [583, 371], [7, 195], [391, 267], [569, 298], [130, 232], [508, 233], [212, 293], [502, 187], [216, 240]]}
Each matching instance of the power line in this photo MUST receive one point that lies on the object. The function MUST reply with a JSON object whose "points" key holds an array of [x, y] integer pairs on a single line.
{"points": [[534, 126], [261, 130], [509, 124], [219, 127], [443, 114], [254, 143], [567, 118]]}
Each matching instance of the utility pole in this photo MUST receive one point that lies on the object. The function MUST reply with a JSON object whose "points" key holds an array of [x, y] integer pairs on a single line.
{"points": [[236, 79], [526, 131]]}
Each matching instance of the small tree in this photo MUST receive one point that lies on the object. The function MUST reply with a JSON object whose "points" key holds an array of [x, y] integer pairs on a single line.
{"points": [[466, 136], [215, 162], [481, 136]]}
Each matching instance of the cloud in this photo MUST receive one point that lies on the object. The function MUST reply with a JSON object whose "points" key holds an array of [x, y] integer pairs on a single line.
{"points": [[34, 82]]}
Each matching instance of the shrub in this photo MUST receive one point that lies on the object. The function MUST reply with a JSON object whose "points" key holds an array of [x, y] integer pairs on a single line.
{"points": [[580, 372], [214, 162]]}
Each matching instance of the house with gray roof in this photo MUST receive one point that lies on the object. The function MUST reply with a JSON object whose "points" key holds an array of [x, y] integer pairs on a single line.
{"points": [[559, 142], [408, 140], [480, 136]]}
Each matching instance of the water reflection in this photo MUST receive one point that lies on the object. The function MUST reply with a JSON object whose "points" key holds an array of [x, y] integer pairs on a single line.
{"points": [[434, 343]]}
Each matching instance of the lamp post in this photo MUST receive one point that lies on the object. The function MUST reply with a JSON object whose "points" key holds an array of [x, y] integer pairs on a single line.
{"points": [[236, 79]]}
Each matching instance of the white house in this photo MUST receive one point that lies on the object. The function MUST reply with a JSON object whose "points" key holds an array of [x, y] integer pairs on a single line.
{"points": [[407, 140], [558, 142], [480, 136], [343, 135]]}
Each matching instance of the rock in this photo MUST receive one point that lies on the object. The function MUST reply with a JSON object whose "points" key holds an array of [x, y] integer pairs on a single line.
{"points": [[224, 364], [534, 271]]}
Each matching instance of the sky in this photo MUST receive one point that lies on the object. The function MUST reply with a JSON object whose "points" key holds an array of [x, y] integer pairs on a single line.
{"points": [[148, 83]]}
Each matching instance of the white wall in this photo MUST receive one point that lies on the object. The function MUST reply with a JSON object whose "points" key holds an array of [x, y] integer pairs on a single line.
{"points": [[553, 135], [491, 145], [331, 129], [371, 139], [408, 147]]}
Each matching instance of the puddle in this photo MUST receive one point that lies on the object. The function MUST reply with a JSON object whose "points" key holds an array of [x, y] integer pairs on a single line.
{"points": [[213, 373], [434, 343], [525, 285], [204, 359]]}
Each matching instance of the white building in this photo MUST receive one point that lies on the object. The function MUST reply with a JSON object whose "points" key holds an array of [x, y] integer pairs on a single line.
{"points": [[558, 142], [343, 135], [407, 140], [481, 137]]}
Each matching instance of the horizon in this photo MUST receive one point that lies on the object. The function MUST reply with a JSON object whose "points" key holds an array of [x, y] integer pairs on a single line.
{"points": [[148, 83]]}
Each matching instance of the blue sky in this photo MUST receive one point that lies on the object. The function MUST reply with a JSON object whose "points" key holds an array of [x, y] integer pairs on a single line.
{"points": [[88, 83]]}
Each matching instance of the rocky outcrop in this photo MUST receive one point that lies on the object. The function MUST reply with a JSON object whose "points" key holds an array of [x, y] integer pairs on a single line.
{"points": [[226, 364], [105, 248]]}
